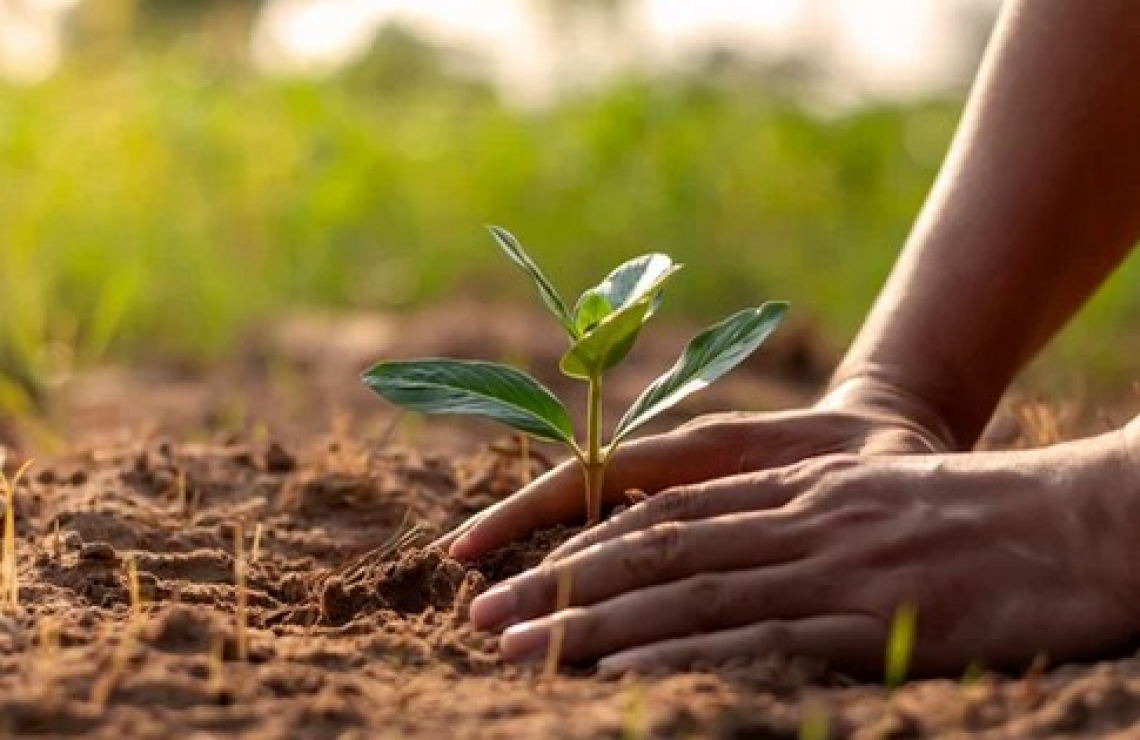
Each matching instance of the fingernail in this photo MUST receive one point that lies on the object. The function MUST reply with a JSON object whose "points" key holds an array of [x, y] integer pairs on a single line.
{"points": [[524, 641], [611, 667], [462, 548], [493, 608]]}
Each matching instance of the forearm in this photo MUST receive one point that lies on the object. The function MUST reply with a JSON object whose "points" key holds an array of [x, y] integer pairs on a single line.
{"points": [[1039, 198]]}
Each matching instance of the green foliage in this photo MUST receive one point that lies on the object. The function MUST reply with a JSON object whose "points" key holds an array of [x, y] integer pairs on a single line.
{"points": [[707, 357], [604, 327], [156, 202], [486, 389], [609, 316]]}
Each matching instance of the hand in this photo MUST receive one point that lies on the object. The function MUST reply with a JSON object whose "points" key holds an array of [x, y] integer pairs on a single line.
{"points": [[1003, 555], [862, 417]]}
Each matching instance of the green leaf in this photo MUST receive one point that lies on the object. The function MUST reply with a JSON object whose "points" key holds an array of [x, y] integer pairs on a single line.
{"points": [[589, 311], [631, 281], [606, 344], [499, 392], [634, 290], [708, 356], [546, 290]]}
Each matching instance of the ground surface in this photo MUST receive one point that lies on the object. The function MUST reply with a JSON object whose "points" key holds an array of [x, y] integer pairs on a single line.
{"points": [[151, 478]]}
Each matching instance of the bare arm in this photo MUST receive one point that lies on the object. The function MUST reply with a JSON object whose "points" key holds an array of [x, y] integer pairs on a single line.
{"points": [[1039, 198]]}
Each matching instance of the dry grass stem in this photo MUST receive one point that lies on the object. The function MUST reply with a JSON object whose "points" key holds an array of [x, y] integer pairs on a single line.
{"points": [[135, 592], [241, 597], [1040, 423], [558, 633], [9, 575], [215, 666], [524, 460], [255, 548]]}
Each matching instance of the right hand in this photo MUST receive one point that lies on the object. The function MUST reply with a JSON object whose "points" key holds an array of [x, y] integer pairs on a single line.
{"points": [[859, 417]]}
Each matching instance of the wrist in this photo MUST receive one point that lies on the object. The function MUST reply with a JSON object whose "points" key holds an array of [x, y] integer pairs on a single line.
{"points": [[1115, 490], [871, 394]]}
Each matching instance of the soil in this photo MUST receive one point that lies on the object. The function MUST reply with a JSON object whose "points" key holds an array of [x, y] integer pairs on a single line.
{"points": [[158, 491]]}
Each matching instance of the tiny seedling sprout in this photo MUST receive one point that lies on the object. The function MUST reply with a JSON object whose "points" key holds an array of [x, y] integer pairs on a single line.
{"points": [[602, 328]]}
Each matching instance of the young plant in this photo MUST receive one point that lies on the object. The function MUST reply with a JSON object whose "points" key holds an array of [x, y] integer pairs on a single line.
{"points": [[601, 329]]}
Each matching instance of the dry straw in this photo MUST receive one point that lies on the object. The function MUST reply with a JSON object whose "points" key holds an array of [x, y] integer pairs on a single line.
{"points": [[9, 577]]}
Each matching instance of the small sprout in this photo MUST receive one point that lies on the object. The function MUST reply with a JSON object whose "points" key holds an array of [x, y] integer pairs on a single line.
{"points": [[900, 644], [815, 724], [601, 328]]}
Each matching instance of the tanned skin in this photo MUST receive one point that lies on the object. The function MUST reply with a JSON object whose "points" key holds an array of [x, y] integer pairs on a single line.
{"points": [[803, 532]]}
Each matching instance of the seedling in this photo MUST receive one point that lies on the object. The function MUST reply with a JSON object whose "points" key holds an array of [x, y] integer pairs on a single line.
{"points": [[900, 644], [602, 328]]}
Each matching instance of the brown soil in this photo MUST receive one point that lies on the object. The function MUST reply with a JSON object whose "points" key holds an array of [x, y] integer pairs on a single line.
{"points": [[351, 628]]}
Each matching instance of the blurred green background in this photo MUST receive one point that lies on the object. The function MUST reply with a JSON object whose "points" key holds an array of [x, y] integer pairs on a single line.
{"points": [[160, 194]]}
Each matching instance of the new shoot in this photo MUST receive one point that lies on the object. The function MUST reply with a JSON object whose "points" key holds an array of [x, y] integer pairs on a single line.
{"points": [[601, 329]]}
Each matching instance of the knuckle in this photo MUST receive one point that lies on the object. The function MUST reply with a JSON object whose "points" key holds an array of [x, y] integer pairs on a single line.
{"points": [[708, 597], [675, 503], [775, 637], [585, 629], [540, 591], [829, 467], [659, 550]]}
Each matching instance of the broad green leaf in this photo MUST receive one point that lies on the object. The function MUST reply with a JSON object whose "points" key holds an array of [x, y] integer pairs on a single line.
{"points": [[631, 281], [707, 357], [499, 392], [606, 344], [546, 290], [589, 311], [613, 337]]}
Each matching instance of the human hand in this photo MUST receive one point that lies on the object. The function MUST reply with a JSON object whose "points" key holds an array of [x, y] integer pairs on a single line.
{"points": [[860, 417], [1003, 556]]}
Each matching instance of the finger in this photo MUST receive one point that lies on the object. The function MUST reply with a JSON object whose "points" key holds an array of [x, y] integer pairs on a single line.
{"points": [[650, 464], [697, 605], [851, 642], [663, 553], [740, 493], [444, 541]]}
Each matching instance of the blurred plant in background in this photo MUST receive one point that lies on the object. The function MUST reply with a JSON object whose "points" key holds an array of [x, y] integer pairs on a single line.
{"points": [[158, 194]]}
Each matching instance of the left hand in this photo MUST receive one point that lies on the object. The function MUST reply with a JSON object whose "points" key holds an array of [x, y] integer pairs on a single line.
{"points": [[1003, 555]]}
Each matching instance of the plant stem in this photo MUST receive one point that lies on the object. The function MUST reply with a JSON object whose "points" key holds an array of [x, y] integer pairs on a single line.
{"points": [[595, 465]]}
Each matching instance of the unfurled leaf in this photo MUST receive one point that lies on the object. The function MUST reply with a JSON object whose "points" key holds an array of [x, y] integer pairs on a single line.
{"points": [[631, 281], [606, 344], [633, 290], [499, 392], [708, 356], [589, 311], [546, 290]]}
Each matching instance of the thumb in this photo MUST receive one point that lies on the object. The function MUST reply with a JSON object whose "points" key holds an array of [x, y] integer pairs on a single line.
{"points": [[649, 465]]}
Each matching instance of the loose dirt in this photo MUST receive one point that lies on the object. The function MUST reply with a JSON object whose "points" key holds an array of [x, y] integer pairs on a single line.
{"points": [[148, 481]]}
